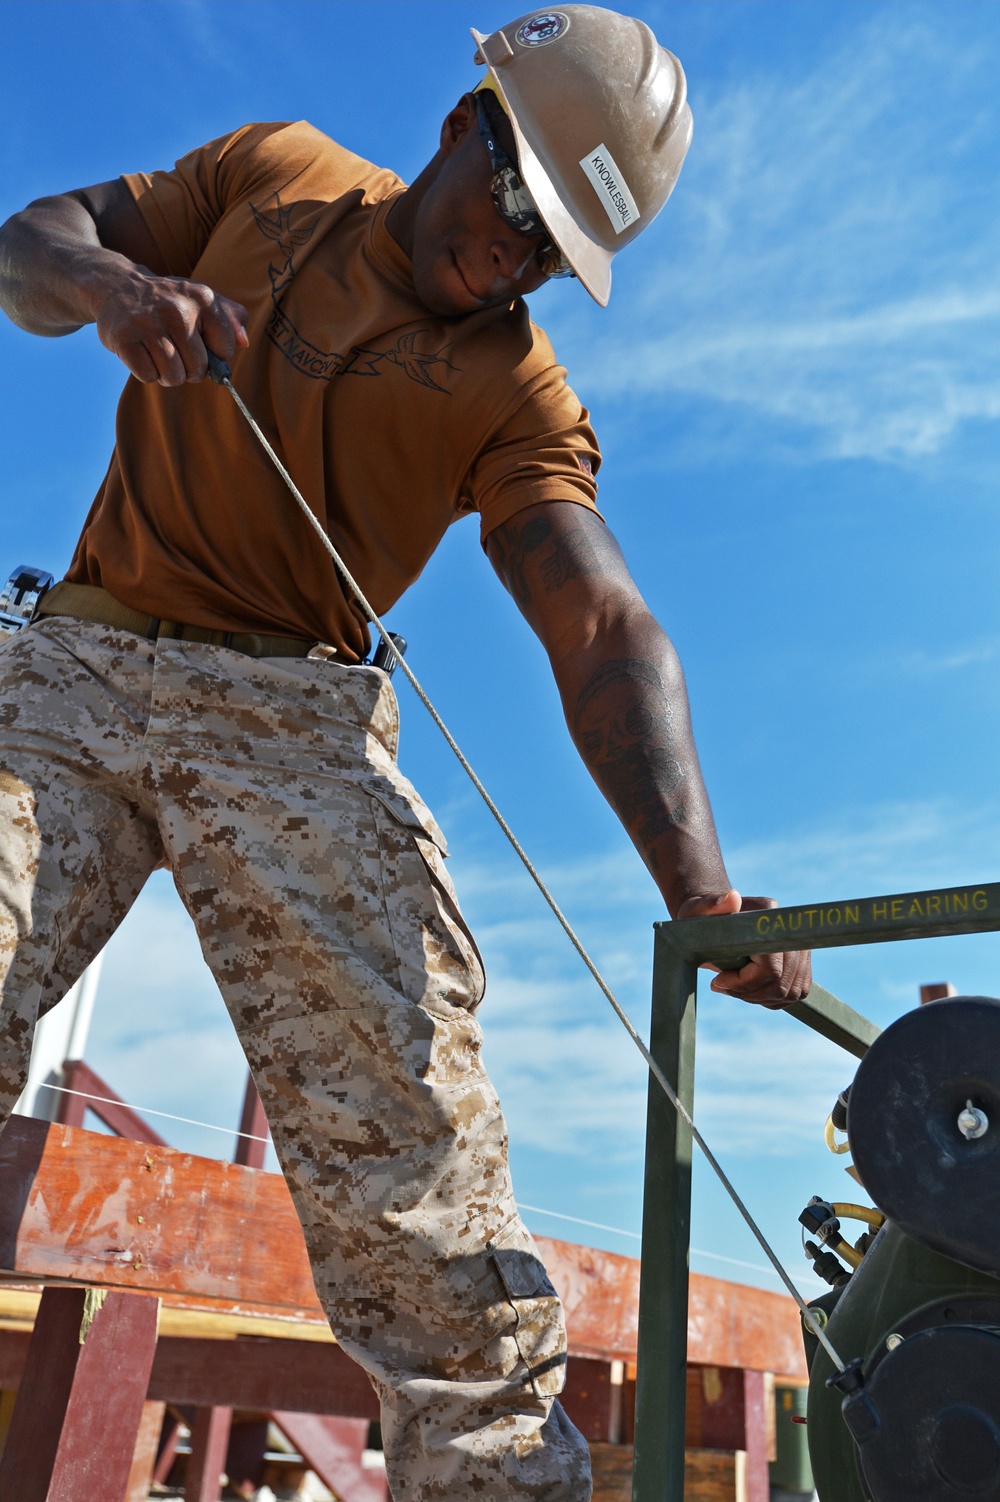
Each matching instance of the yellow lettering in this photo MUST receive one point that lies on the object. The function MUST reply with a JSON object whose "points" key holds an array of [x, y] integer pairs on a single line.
{"points": [[980, 901], [809, 915], [915, 908], [880, 910], [763, 924], [851, 915], [795, 922], [933, 904], [833, 916], [897, 907], [961, 901], [779, 922]]}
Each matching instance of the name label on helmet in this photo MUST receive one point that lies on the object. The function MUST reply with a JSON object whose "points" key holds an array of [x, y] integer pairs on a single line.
{"points": [[612, 189]]}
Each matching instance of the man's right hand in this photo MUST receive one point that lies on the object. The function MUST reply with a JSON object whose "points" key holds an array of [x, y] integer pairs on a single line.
{"points": [[162, 327], [89, 257]]}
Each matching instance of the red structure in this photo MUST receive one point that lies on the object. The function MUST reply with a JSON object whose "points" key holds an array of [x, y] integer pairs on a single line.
{"points": [[130, 1228]]}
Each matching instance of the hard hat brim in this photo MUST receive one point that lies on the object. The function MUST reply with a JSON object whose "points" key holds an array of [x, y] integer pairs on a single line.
{"points": [[590, 261]]}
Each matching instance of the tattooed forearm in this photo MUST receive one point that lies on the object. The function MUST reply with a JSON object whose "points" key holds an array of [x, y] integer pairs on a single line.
{"points": [[621, 686], [623, 725]]}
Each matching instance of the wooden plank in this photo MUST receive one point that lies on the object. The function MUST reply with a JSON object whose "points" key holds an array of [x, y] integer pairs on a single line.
{"points": [[14, 1346], [206, 1463], [591, 1398], [102, 1210], [186, 1316], [7, 1399], [729, 1324], [246, 1453], [333, 1449], [262, 1375], [709, 1475], [81, 1207], [758, 1399], [140, 1477], [168, 1448], [79, 1381]]}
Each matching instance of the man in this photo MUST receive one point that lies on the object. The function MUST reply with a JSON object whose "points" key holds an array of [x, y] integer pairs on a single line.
{"points": [[194, 693]]}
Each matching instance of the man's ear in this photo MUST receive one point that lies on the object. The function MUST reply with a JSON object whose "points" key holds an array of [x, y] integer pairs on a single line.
{"points": [[457, 124]]}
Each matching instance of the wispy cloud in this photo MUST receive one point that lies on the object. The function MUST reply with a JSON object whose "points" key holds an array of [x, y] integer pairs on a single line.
{"points": [[828, 262], [885, 848]]}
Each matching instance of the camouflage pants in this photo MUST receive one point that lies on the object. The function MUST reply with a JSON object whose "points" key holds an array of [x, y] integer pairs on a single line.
{"points": [[314, 876]]}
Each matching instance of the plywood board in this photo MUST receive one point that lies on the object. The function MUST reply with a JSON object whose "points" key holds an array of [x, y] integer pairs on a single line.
{"points": [[709, 1475]]}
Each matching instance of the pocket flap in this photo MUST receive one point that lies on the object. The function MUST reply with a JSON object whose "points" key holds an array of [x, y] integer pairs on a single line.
{"points": [[516, 1259], [407, 808]]}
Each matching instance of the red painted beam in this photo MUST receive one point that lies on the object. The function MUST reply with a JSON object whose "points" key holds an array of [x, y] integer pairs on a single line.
{"points": [[207, 1461], [333, 1449], [251, 1144], [109, 1107], [72, 1390], [262, 1374]]}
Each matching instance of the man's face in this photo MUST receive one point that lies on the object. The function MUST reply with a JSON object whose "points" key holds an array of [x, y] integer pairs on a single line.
{"points": [[465, 256]]}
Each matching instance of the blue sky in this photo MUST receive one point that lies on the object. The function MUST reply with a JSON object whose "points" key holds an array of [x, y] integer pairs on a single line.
{"points": [[796, 391]]}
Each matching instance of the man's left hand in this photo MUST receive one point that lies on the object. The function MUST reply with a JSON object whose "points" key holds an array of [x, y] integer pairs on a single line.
{"points": [[768, 980]]}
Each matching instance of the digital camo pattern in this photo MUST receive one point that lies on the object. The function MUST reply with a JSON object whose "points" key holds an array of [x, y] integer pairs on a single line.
{"points": [[315, 878]]}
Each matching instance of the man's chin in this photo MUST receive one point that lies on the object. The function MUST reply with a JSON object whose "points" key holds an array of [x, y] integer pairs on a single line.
{"points": [[443, 290]]}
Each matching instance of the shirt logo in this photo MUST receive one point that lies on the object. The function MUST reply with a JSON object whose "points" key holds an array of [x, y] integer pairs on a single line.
{"points": [[278, 227], [547, 26], [416, 365], [612, 189]]}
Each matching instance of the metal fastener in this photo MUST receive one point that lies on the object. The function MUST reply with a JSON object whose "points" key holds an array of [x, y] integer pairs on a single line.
{"points": [[972, 1122]]}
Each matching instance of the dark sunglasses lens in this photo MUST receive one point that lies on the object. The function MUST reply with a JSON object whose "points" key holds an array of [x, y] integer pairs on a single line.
{"points": [[514, 203]]}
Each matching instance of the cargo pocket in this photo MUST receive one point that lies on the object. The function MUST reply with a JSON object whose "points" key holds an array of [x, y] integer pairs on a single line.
{"points": [[429, 932], [540, 1333]]}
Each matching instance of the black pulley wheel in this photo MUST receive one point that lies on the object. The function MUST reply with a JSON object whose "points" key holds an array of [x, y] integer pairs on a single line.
{"points": [[908, 1104], [937, 1396]]}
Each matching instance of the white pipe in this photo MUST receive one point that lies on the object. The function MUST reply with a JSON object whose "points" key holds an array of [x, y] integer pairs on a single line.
{"points": [[83, 1011]]}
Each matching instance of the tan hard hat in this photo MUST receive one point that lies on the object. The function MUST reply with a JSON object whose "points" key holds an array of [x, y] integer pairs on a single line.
{"points": [[601, 122]]}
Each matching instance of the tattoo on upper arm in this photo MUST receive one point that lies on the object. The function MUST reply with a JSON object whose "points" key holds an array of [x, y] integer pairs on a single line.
{"points": [[624, 727], [516, 543], [560, 558]]}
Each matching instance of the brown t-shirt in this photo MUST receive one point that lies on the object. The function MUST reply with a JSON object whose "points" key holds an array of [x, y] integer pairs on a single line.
{"points": [[392, 422]]}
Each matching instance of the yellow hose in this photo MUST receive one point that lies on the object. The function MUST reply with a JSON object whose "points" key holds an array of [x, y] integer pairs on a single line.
{"points": [[873, 1218], [850, 1256], [831, 1141]]}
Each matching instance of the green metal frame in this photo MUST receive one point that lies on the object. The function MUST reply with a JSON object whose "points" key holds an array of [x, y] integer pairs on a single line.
{"points": [[680, 948]]}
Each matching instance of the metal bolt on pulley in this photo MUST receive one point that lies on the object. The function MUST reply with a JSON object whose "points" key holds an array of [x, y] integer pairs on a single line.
{"points": [[973, 1123]]}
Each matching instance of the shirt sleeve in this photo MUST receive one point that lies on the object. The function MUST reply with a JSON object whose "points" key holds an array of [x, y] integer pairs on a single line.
{"points": [[182, 207], [544, 450]]}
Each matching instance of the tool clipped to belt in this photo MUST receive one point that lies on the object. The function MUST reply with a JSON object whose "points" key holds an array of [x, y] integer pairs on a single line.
{"points": [[20, 597]]}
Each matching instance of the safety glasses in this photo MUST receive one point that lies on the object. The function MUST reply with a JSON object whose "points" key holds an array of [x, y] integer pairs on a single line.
{"points": [[513, 202]]}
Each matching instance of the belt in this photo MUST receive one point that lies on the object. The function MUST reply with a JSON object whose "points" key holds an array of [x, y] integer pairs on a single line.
{"points": [[87, 602]]}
